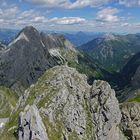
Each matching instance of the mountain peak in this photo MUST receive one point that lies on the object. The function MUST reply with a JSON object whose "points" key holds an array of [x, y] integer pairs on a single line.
{"points": [[109, 36], [29, 28], [28, 33]]}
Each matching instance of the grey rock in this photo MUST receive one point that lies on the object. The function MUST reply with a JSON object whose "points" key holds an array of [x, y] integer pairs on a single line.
{"points": [[72, 109], [31, 126], [130, 122], [106, 114]]}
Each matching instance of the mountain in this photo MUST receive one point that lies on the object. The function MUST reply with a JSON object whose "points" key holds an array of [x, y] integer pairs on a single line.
{"points": [[26, 57], [113, 51], [127, 81], [48, 92], [62, 105], [130, 72], [80, 38], [29, 55], [6, 35]]}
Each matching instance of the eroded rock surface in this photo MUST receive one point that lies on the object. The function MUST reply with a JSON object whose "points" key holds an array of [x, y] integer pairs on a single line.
{"points": [[106, 114], [70, 108], [130, 122], [31, 126]]}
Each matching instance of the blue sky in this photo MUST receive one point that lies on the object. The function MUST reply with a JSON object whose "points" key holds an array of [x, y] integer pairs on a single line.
{"points": [[72, 15]]}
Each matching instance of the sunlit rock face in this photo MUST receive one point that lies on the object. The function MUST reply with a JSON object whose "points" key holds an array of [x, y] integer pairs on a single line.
{"points": [[70, 108]]}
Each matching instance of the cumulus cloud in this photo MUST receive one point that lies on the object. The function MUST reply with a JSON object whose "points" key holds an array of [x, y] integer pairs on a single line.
{"points": [[50, 3], [67, 4], [130, 3], [68, 20], [108, 15], [12, 15]]}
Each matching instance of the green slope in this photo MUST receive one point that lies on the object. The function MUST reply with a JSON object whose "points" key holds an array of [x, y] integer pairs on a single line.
{"points": [[113, 53]]}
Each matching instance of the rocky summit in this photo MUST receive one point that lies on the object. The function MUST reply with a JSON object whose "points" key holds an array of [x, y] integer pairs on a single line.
{"points": [[63, 106]]}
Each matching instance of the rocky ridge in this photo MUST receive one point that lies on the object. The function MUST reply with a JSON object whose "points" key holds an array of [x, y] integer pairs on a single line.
{"points": [[63, 106]]}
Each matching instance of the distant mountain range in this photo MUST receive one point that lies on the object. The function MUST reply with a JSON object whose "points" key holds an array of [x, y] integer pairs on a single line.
{"points": [[81, 38], [113, 51], [77, 38]]}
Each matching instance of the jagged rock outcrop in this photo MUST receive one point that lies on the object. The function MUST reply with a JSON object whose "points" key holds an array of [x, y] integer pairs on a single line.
{"points": [[30, 125], [106, 114], [130, 122], [70, 108]]}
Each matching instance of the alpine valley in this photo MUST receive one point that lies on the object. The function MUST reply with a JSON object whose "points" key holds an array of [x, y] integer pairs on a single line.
{"points": [[52, 90]]}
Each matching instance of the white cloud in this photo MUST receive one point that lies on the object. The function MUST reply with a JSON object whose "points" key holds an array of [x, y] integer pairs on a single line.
{"points": [[68, 20], [107, 18], [125, 24], [108, 15], [12, 15], [9, 12], [91, 3], [67, 4], [130, 3], [50, 3]]}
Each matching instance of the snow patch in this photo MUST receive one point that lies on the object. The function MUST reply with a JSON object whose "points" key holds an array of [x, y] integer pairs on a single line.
{"points": [[20, 37]]}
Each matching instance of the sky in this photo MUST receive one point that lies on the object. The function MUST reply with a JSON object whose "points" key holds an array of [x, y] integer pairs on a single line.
{"points": [[120, 16]]}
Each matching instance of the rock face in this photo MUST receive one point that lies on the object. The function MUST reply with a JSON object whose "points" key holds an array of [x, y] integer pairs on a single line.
{"points": [[70, 108], [130, 122], [105, 111], [28, 56], [30, 125]]}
